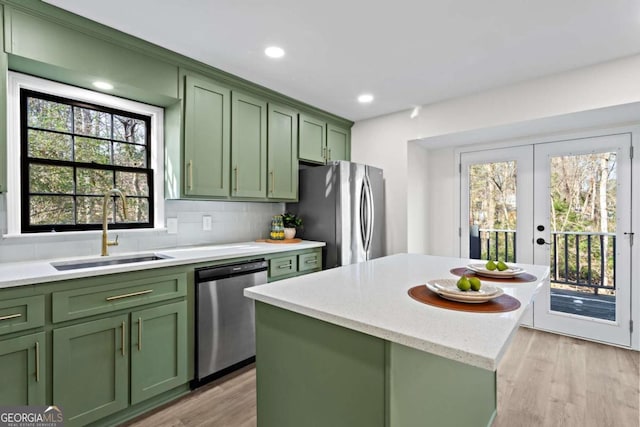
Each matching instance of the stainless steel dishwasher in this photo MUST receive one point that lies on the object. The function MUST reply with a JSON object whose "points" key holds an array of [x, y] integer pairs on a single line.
{"points": [[225, 330]]}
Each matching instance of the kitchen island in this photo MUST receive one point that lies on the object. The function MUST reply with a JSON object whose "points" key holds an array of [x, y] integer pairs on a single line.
{"points": [[350, 347]]}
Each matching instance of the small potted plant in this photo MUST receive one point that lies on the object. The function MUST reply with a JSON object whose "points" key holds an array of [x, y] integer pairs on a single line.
{"points": [[291, 222]]}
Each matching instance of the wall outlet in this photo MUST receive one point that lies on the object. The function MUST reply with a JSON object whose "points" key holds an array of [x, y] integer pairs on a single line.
{"points": [[206, 222], [172, 225]]}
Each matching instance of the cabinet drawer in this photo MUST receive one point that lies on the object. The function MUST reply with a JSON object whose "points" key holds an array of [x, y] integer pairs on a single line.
{"points": [[21, 313], [282, 266], [85, 302], [312, 261]]}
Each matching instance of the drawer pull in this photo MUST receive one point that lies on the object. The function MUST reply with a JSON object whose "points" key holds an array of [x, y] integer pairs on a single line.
{"points": [[285, 266], [11, 316], [311, 261], [37, 361], [124, 325], [132, 294]]}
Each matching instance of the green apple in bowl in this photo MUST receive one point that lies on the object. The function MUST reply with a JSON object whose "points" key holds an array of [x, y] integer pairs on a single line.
{"points": [[463, 284], [491, 266], [475, 283], [502, 266]]}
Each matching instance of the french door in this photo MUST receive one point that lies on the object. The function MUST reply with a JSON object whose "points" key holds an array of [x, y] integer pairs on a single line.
{"points": [[566, 204]]}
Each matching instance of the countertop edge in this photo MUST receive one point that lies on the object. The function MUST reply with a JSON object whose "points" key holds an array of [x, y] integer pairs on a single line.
{"points": [[462, 356], [45, 273]]}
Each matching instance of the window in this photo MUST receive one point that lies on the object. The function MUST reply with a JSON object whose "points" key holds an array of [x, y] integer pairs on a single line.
{"points": [[72, 153], [67, 146]]}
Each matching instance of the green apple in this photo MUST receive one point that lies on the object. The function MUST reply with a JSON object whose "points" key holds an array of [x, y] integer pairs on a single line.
{"points": [[502, 266], [491, 265], [463, 284], [475, 283]]}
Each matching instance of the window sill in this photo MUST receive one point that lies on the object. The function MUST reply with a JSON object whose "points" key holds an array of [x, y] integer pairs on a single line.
{"points": [[83, 235]]}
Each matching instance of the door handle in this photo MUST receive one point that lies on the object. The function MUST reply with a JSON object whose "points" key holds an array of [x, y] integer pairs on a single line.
{"points": [[123, 336], [541, 241], [37, 361], [235, 173], [139, 333]]}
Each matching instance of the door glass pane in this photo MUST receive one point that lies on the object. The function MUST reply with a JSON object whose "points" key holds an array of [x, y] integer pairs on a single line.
{"points": [[492, 211], [583, 242]]}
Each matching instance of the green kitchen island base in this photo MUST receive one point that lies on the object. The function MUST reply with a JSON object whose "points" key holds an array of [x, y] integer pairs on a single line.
{"points": [[313, 373]]}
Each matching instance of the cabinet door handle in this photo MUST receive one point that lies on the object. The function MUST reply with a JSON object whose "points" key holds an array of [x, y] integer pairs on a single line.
{"points": [[139, 334], [11, 316], [132, 294], [37, 361], [235, 184], [123, 336], [324, 153], [190, 167], [273, 181], [328, 154]]}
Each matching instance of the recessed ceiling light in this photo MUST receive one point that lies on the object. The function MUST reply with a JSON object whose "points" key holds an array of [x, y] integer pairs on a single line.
{"points": [[103, 85], [274, 52], [365, 98]]}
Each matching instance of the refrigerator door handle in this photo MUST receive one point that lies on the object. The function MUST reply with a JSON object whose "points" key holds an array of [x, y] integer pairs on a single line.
{"points": [[364, 204], [371, 218]]}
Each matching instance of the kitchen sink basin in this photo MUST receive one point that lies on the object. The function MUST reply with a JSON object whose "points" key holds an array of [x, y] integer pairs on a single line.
{"points": [[103, 261]]}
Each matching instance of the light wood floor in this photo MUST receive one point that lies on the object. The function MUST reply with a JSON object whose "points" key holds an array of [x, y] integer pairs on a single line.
{"points": [[544, 380]]}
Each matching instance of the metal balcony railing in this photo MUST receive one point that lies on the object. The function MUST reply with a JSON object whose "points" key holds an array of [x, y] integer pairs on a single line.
{"points": [[583, 259]]}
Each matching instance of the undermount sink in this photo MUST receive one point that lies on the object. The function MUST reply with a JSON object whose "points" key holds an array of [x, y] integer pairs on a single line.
{"points": [[103, 261]]}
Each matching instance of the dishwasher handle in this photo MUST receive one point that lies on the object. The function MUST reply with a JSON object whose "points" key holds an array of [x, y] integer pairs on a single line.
{"points": [[208, 274]]}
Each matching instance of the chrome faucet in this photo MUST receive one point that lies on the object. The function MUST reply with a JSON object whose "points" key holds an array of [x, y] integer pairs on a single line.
{"points": [[105, 240]]}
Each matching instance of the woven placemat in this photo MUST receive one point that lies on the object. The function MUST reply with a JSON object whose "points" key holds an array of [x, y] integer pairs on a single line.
{"points": [[501, 304]]}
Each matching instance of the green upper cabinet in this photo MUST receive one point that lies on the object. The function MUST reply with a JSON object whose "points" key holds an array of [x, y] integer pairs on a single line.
{"points": [[68, 53], [158, 331], [322, 142], [248, 146], [22, 369], [91, 369], [282, 153], [206, 138], [313, 139], [338, 143]]}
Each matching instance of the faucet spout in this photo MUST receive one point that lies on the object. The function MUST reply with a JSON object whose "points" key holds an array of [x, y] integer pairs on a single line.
{"points": [[105, 240]]}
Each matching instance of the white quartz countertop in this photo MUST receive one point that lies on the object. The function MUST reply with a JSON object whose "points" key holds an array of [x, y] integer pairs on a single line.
{"points": [[26, 273], [371, 297]]}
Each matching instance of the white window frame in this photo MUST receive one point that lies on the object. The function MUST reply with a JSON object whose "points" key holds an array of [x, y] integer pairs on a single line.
{"points": [[17, 81]]}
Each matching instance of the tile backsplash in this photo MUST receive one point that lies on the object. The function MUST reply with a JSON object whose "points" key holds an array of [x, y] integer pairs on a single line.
{"points": [[230, 222]]}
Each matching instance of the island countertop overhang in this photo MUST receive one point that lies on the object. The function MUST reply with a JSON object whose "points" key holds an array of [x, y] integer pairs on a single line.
{"points": [[371, 297]]}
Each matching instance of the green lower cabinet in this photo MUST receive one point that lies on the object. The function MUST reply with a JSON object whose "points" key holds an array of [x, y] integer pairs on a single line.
{"points": [[90, 369], [22, 370], [313, 373], [158, 350]]}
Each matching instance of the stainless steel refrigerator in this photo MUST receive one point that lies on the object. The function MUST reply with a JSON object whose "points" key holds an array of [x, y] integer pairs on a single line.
{"points": [[342, 204]]}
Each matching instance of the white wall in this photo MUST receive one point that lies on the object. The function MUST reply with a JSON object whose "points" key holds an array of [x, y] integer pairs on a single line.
{"points": [[383, 141], [417, 206]]}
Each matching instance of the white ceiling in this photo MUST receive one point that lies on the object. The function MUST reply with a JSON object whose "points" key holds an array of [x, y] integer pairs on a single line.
{"points": [[404, 52]]}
